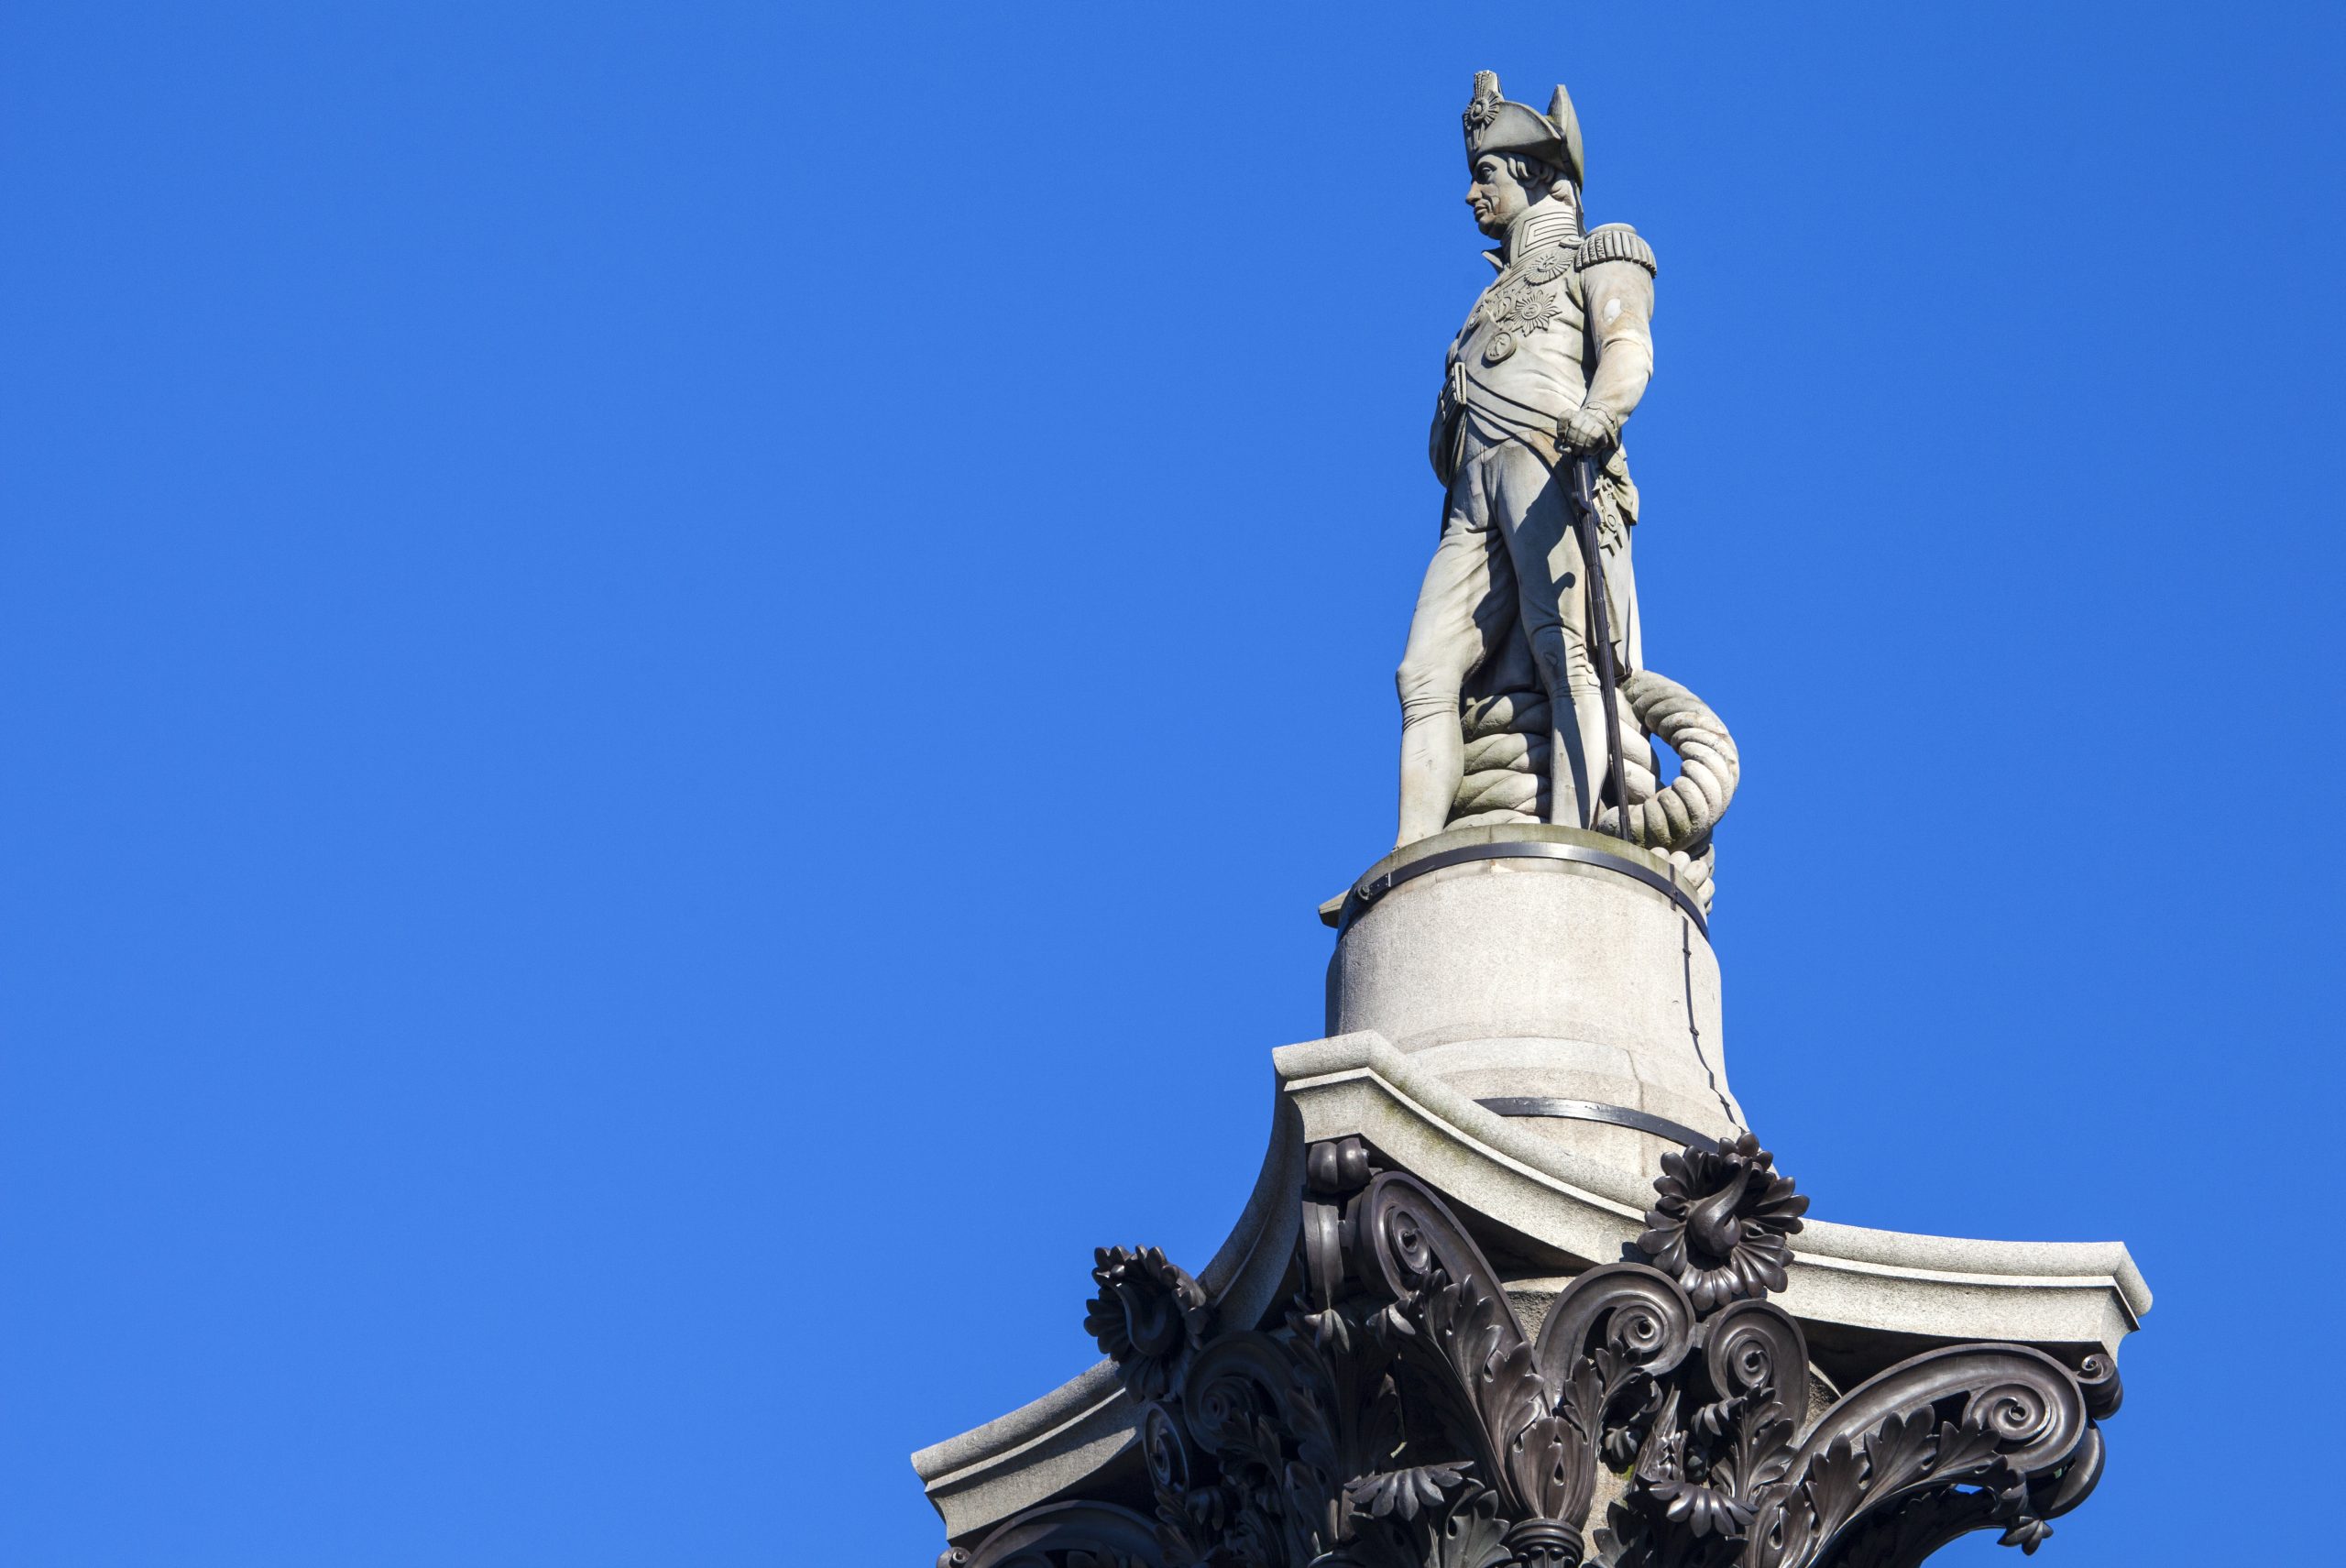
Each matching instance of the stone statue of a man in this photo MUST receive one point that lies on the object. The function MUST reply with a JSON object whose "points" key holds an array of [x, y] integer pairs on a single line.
{"points": [[1550, 364]]}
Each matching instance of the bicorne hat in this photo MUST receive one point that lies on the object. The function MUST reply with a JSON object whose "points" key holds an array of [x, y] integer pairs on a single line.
{"points": [[1494, 125]]}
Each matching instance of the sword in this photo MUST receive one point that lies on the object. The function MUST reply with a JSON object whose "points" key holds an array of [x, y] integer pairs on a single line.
{"points": [[1600, 618]]}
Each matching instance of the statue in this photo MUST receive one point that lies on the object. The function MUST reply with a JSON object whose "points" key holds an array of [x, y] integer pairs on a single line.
{"points": [[1440, 1336], [1547, 368]]}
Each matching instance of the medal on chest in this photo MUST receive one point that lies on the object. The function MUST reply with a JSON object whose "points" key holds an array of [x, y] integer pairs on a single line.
{"points": [[1516, 311]]}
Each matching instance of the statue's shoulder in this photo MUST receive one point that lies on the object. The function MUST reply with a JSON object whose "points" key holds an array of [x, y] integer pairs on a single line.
{"points": [[1615, 242]]}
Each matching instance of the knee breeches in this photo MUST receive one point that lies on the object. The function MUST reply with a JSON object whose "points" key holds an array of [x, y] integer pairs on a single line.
{"points": [[1507, 553]]}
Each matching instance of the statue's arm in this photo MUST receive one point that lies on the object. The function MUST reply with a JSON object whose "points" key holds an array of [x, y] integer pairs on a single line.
{"points": [[1616, 273]]}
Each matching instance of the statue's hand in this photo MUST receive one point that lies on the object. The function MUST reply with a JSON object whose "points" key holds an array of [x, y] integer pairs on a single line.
{"points": [[1587, 429]]}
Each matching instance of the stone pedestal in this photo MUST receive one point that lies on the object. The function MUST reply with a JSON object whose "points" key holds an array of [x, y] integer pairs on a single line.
{"points": [[1554, 975]]}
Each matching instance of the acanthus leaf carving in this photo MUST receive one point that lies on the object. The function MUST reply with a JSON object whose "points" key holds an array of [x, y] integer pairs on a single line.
{"points": [[1394, 1413]]}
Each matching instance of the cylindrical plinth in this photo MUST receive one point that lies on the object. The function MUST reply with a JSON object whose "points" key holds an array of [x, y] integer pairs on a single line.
{"points": [[1543, 964]]}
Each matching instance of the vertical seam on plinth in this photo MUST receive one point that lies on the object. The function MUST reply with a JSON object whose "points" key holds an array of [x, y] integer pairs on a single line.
{"points": [[1695, 1030]]}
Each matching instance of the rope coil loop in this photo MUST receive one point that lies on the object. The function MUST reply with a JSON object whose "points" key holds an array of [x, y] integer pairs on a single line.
{"points": [[1682, 812]]}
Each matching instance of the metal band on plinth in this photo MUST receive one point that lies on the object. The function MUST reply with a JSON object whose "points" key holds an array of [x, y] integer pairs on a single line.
{"points": [[1590, 1111], [1581, 849]]}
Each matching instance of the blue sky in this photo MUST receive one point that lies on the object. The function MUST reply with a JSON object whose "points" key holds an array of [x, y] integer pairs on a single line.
{"points": [[680, 679]]}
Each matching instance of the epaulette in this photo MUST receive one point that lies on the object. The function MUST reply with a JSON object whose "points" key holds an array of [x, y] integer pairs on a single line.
{"points": [[1616, 242]]}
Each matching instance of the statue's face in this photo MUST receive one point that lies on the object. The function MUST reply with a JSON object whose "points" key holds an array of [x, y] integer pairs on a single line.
{"points": [[1498, 197]]}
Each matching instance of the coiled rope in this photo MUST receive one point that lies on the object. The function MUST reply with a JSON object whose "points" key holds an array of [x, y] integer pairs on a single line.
{"points": [[1506, 770], [1682, 812]]}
